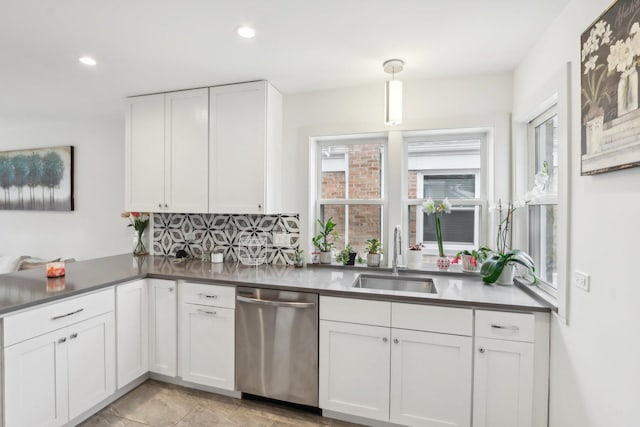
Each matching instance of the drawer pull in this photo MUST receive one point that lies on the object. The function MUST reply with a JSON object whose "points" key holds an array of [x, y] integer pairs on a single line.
{"points": [[208, 313], [62, 340], [74, 335], [510, 328], [68, 314], [385, 339], [208, 296]]}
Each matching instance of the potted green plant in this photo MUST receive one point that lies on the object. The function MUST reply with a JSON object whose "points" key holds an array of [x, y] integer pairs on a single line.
{"points": [[473, 258], [325, 238], [374, 249], [347, 256], [298, 258], [498, 268]]}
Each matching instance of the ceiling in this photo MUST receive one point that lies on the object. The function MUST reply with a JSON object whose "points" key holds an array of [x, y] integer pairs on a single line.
{"points": [[145, 46]]}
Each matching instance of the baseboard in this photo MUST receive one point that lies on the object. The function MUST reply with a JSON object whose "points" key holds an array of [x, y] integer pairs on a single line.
{"points": [[358, 420], [109, 400], [187, 384]]}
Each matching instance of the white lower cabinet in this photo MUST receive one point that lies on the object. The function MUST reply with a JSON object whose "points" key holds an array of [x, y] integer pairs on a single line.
{"points": [[132, 331], [393, 369], [354, 369], [503, 388], [163, 325], [430, 379], [91, 363], [207, 335], [510, 369], [54, 377]]}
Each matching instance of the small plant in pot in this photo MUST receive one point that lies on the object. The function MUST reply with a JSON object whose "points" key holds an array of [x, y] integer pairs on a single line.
{"points": [[347, 256], [374, 249], [298, 258], [472, 259], [325, 238]]}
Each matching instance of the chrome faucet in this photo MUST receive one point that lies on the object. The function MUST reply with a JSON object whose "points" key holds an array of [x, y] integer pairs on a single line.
{"points": [[397, 249]]}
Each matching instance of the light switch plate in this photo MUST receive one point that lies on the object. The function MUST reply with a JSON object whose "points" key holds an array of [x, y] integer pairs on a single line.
{"points": [[281, 239], [581, 280]]}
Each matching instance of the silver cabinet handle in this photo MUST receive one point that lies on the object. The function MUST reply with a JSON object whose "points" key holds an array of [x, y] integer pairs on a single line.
{"points": [[166, 206], [259, 206], [396, 340], [170, 290], [160, 205], [208, 296], [208, 313], [384, 339], [62, 340], [509, 328], [291, 304], [481, 350], [74, 335], [68, 314]]}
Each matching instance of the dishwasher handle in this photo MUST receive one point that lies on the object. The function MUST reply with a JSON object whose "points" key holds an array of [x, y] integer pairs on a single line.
{"points": [[291, 304]]}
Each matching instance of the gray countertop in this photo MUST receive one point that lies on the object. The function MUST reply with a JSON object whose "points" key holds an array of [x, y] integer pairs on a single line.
{"points": [[31, 287]]}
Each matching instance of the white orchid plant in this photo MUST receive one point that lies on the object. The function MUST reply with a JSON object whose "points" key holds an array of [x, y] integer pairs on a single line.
{"points": [[432, 208], [504, 255]]}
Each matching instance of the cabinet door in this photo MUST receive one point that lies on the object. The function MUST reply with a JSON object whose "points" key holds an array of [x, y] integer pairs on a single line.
{"points": [[35, 381], [163, 307], [207, 345], [354, 369], [430, 379], [503, 383], [237, 140], [187, 151], [132, 320], [91, 362], [144, 153]]}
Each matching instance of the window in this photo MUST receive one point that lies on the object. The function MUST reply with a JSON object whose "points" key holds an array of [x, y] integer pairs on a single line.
{"points": [[543, 213], [440, 166], [351, 187]]}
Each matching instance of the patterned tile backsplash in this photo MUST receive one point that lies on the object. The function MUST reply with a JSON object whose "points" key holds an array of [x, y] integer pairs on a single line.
{"points": [[224, 233]]}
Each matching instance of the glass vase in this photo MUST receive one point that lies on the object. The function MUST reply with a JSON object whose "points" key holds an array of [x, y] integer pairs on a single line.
{"points": [[138, 244]]}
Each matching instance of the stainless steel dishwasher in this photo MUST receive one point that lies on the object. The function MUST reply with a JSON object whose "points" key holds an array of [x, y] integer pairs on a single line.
{"points": [[277, 344]]}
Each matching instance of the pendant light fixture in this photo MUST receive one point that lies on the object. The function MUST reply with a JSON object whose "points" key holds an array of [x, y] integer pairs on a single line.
{"points": [[393, 92]]}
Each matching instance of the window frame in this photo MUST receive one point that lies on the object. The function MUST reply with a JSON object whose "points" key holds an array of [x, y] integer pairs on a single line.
{"points": [[375, 138], [482, 188], [549, 199]]}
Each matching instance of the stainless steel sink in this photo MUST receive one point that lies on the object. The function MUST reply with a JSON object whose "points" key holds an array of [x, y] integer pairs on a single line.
{"points": [[395, 283]]}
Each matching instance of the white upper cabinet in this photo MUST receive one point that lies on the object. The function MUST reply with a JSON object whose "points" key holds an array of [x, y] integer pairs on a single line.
{"points": [[167, 148], [187, 149], [144, 155], [245, 148]]}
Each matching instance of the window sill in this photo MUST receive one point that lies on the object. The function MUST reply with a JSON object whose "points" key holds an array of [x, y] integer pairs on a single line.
{"points": [[537, 293]]}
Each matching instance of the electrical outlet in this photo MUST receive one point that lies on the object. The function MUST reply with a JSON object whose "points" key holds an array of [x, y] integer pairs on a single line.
{"points": [[581, 280], [190, 236], [281, 239]]}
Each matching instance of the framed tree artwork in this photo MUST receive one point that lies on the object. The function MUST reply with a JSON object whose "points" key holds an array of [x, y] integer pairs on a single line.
{"points": [[39, 179], [610, 54]]}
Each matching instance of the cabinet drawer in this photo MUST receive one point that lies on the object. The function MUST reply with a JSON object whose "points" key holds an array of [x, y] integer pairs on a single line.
{"points": [[350, 310], [430, 318], [41, 320], [506, 326], [211, 295]]}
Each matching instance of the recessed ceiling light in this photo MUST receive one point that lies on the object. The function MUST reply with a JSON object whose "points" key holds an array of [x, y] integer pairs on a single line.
{"points": [[87, 60], [246, 32]]}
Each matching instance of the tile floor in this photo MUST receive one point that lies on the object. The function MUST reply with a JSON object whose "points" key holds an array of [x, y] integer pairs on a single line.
{"points": [[158, 404]]}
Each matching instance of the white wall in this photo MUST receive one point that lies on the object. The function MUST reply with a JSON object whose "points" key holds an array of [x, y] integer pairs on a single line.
{"points": [[463, 102], [94, 228], [595, 358]]}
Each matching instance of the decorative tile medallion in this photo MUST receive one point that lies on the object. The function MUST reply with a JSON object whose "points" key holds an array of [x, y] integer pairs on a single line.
{"points": [[223, 233]]}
